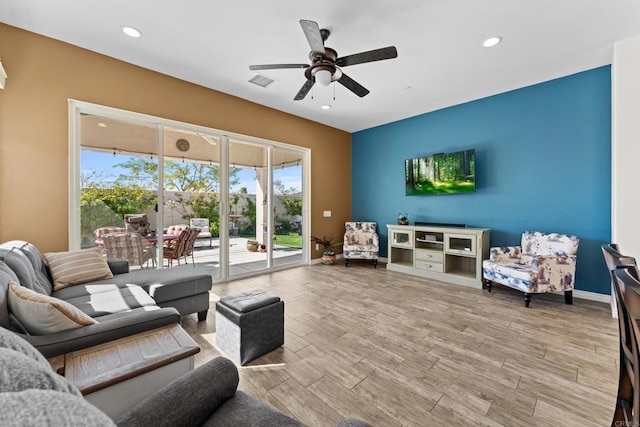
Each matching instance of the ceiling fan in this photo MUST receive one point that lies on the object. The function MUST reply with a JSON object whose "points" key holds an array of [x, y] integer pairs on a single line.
{"points": [[325, 65]]}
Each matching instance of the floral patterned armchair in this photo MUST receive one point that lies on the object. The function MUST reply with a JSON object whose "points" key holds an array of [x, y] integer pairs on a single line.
{"points": [[361, 242], [545, 262]]}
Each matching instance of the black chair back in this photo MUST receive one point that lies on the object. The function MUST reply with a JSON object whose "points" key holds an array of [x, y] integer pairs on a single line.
{"points": [[626, 290]]}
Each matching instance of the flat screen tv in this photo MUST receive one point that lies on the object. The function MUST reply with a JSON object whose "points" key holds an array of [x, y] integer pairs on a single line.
{"points": [[441, 173]]}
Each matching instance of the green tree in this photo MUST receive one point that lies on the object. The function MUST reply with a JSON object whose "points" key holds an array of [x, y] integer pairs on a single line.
{"points": [[293, 205], [248, 226], [202, 180], [178, 176], [102, 205]]}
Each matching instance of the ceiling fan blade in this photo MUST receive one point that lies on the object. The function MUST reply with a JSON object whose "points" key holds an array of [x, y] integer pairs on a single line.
{"points": [[353, 85], [312, 32], [370, 56], [304, 90], [276, 66]]}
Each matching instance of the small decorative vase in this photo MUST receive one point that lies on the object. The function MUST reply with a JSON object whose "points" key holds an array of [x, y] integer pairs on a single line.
{"points": [[328, 258], [403, 219]]}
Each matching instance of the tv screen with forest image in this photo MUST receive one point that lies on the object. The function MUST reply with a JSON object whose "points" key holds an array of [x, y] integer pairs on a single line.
{"points": [[442, 173]]}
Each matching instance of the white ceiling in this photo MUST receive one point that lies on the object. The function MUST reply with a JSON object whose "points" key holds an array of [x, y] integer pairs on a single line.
{"points": [[441, 61]]}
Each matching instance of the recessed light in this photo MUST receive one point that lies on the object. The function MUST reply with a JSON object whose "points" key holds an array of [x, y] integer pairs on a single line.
{"points": [[326, 107], [131, 32], [492, 41], [102, 125]]}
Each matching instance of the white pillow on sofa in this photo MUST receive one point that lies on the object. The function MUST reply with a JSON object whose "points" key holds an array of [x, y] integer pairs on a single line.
{"points": [[77, 267], [42, 314]]}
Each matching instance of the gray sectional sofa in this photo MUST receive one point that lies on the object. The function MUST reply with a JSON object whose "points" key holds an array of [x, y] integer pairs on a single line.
{"points": [[128, 303]]}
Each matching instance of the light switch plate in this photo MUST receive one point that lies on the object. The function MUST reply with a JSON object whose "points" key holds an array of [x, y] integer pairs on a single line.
{"points": [[326, 214]]}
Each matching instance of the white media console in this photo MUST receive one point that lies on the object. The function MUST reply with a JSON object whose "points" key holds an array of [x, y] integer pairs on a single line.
{"points": [[450, 254]]}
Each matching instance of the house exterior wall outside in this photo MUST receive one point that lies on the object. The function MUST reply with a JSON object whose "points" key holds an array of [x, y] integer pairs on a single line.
{"points": [[34, 160], [543, 163]]}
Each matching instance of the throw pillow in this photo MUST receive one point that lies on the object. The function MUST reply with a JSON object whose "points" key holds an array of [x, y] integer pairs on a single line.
{"points": [[13, 342], [77, 267], [49, 408], [20, 372], [42, 314]]}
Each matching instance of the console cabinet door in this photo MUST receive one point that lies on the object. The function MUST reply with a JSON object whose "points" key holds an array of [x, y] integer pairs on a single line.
{"points": [[460, 244]]}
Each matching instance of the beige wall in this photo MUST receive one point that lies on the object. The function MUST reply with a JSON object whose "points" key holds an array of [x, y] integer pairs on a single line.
{"points": [[45, 73]]}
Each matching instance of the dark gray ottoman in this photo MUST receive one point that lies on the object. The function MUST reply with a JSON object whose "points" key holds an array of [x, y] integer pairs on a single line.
{"points": [[249, 324]]}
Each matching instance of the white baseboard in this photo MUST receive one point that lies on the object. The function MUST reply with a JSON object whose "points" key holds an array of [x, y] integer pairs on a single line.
{"points": [[592, 296]]}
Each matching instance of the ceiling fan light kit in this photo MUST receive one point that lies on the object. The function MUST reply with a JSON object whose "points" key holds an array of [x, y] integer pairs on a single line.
{"points": [[323, 77], [325, 66]]}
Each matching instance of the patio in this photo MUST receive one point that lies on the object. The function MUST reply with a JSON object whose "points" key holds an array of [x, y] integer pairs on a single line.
{"points": [[241, 261]]}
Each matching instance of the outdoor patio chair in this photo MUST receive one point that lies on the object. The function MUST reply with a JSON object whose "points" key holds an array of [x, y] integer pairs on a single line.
{"points": [[174, 249], [202, 224], [187, 249], [176, 229], [128, 246], [98, 233]]}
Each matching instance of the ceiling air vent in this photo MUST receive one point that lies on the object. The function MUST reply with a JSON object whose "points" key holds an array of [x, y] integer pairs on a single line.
{"points": [[261, 80]]}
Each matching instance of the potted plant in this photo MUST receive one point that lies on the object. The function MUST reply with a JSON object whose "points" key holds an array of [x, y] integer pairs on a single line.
{"points": [[328, 255]]}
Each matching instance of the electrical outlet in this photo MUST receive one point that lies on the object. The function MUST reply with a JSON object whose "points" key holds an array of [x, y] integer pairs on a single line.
{"points": [[326, 214]]}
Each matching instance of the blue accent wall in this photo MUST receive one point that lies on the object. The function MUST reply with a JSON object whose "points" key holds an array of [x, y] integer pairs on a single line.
{"points": [[543, 163]]}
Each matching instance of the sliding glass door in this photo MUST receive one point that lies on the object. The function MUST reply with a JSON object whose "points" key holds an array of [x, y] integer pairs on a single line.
{"points": [[287, 209], [118, 187], [137, 174]]}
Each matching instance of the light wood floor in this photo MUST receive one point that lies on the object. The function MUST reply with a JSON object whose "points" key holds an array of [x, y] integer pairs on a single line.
{"points": [[394, 349]]}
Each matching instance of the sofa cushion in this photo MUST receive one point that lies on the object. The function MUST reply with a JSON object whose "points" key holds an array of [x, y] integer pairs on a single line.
{"points": [[22, 267], [20, 372], [105, 298], [35, 258], [6, 275], [77, 267], [38, 262], [13, 342], [42, 314], [167, 284], [49, 408]]}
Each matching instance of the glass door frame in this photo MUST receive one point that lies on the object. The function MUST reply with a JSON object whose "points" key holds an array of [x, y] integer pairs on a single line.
{"points": [[76, 108]]}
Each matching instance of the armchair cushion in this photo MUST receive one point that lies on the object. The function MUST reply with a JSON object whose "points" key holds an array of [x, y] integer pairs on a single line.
{"points": [[202, 224], [176, 229]]}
